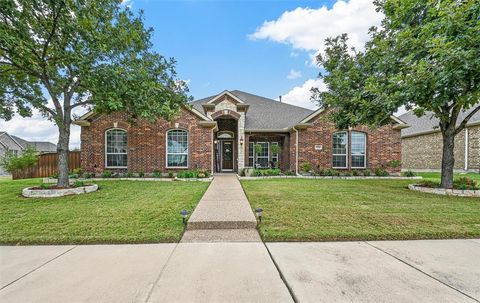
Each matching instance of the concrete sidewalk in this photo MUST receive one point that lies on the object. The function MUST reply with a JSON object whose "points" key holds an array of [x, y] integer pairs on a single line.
{"points": [[223, 214], [383, 271]]}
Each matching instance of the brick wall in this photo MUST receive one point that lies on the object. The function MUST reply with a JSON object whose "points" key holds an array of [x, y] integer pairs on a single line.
{"points": [[146, 143], [383, 144], [424, 152]]}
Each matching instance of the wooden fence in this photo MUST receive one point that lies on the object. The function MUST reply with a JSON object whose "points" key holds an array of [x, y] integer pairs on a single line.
{"points": [[47, 166]]}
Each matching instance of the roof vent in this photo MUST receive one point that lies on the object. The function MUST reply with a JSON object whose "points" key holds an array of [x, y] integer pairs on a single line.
{"points": [[280, 99]]}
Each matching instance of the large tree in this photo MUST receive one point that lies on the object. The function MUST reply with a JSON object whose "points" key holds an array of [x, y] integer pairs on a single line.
{"points": [[57, 55], [425, 57]]}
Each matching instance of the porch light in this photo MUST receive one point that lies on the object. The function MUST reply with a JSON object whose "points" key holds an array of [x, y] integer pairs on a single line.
{"points": [[184, 214], [241, 141], [259, 213]]}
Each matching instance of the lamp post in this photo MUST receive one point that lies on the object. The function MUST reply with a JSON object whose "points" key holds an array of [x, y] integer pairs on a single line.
{"points": [[184, 214], [259, 213]]}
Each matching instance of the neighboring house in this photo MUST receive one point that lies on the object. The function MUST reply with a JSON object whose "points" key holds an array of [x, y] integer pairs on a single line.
{"points": [[218, 134], [17, 145], [422, 143]]}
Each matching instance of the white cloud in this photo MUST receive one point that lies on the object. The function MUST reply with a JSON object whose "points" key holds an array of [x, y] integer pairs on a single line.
{"points": [[294, 54], [294, 74], [300, 95], [307, 28], [38, 128]]}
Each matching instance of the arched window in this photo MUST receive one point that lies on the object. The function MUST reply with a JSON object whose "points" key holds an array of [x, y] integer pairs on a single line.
{"points": [[358, 149], [116, 148], [177, 148], [339, 150], [225, 134]]}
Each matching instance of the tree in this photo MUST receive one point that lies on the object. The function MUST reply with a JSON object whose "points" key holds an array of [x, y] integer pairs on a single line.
{"points": [[425, 56], [58, 55], [11, 161]]}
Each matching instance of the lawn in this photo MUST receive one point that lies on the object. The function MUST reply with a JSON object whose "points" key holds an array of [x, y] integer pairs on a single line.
{"points": [[120, 212], [436, 176], [325, 210]]}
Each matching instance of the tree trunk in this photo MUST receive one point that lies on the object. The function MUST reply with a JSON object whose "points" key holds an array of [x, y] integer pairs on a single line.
{"points": [[62, 151], [448, 159]]}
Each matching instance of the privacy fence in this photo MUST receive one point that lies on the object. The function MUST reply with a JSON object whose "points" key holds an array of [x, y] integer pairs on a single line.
{"points": [[47, 166]]}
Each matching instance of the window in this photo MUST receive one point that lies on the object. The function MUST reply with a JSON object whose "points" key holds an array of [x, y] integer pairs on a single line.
{"points": [[359, 143], [340, 143], [274, 155], [177, 148], [250, 154], [225, 135], [116, 148], [262, 157]]}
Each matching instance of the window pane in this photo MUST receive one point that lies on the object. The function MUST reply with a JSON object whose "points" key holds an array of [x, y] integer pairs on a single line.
{"points": [[250, 154], [358, 143], [116, 160], [358, 161], [116, 148], [339, 161], [340, 143], [274, 155], [177, 148]]}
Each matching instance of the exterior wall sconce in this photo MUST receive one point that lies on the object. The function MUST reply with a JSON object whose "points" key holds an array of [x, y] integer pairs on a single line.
{"points": [[241, 141]]}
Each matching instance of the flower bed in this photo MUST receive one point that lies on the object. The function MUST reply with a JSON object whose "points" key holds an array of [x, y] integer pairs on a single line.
{"points": [[53, 180], [331, 177], [53, 191], [445, 191]]}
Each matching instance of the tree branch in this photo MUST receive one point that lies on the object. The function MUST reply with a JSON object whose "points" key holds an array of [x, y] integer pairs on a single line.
{"points": [[463, 124]]}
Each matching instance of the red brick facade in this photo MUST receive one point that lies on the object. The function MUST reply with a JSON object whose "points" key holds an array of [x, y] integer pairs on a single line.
{"points": [[146, 143], [383, 145]]}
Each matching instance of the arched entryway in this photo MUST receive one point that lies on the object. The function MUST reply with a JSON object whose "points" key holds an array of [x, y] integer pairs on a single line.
{"points": [[226, 149]]}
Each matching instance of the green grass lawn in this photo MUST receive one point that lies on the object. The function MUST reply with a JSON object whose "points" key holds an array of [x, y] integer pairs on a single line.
{"points": [[436, 176], [120, 212], [324, 210]]}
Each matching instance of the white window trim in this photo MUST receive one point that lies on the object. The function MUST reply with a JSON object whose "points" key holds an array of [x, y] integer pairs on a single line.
{"points": [[263, 157], [166, 149], [346, 151], [253, 153], [277, 155], [364, 150], [105, 149]]}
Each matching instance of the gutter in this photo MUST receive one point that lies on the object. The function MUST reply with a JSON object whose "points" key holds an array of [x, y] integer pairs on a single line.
{"points": [[466, 149], [296, 150]]}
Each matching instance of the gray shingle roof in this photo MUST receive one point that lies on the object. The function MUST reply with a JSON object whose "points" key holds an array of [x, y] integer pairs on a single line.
{"points": [[264, 113], [428, 122], [41, 146]]}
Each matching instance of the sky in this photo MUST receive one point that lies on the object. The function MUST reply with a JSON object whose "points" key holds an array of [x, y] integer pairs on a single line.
{"points": [[264, 47]]}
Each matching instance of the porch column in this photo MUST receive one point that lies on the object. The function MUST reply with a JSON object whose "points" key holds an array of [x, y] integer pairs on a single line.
{"points": [[241, 147]]}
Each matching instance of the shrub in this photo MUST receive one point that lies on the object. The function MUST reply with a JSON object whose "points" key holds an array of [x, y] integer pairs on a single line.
{"points": [[170, 174], [190, 174], [77, 171], [289, 173], [465, 183], [380, 172], [355, 173], [266, 172], [12, 162], [367, 173], [87, 175], [394, 164], [55, 175], [306, 167], [242, 172], [74, 176], [78, 183], [157, 174], [347, 173], [45, 186], [129, 174], [107, 174], [275, 148], [258, 148], [141, 174], [428, 183], [331, 172], [408, 173]]}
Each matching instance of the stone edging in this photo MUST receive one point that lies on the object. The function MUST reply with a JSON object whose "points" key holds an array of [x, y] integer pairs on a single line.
{"points": [[445, 191], [332, 177], [52, 180], [50, 193]]}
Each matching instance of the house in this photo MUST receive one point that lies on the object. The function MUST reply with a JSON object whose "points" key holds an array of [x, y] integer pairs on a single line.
{"points": [[18, 145], [220, 134], [422, 143]]}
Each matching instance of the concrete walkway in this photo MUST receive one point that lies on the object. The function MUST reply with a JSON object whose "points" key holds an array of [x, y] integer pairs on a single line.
{"points": [[223, 214]]}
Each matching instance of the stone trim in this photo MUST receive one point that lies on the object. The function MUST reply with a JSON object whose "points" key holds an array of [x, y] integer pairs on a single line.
{"points": [[445, 191], [51, 193]]}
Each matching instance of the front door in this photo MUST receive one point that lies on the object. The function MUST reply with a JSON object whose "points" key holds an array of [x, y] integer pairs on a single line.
{"points": [[227, 155]]}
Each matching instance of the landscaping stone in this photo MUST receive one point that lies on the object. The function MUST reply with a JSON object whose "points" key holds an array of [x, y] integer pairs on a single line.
{"points": [[445, 191], [58, 192]]}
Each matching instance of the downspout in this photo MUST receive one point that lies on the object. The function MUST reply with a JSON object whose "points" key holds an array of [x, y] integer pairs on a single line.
{"points": [[296, 150], [466, 149]]}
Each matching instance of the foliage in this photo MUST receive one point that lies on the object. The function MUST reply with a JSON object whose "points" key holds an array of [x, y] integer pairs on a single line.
{"points": [[193, 174], [77, 171], [425, 56], [45, 185], [306, 166], [266, 172], [330, 172], [88, 175], [129, 174], [55, 175], [409, 173], [107, 174], [394, 164], [347, 173], [367, 173], [465, 183], [170, 174], [355, 173], [141, 174], [242, 172], [157, 174], [56, 56], [78, 183], [11, 161], [381, 172], [276, 149], [258, 148]]}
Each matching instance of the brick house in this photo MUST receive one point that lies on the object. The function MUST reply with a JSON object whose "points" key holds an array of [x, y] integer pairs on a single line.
{"points": [[422, 143], [222, 133]]}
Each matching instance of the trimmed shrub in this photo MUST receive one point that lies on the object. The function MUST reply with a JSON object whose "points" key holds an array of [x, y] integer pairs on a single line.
{"points": [[107, 174], [306, 167], [380, 172], [465, 183], [266, 172], [78, 183], [170, 174], [408, 173], [157, 174], [355, 173], [367, 173], [141, 174]]}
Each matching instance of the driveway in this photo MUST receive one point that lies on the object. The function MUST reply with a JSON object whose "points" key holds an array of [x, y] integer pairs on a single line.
{"points": [[383, 271]]}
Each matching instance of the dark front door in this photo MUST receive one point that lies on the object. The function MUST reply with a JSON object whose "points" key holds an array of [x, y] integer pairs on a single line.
{"points": [[227, 155]]}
